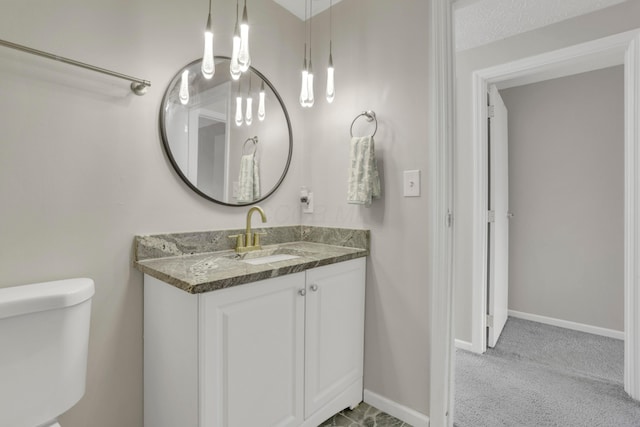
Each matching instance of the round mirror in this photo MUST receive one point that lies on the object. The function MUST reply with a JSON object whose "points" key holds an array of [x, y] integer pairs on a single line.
{"points": [[229, 140]]}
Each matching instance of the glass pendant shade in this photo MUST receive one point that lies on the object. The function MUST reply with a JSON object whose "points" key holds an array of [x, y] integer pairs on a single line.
{"points": [[184, 88], [331, 91], [304, 87], [244, 59], [261, 108], [331, 88], [248, 118], [208, 65], [234, 66], [239, 117], [310, 96]]}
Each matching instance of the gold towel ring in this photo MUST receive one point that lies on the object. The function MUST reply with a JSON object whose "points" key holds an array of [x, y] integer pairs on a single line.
{"points": [[370, 115], [255, 144]]}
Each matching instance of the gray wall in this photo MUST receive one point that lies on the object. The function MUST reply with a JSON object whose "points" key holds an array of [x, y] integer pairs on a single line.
{"points": [[82, 169], [566, 190], [382, 66], [616, 19]]}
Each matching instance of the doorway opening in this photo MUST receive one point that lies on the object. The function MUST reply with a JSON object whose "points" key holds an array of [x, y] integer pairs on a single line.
{"points": [[621, 49]]}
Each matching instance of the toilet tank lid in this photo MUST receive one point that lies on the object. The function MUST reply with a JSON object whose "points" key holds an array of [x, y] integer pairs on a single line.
{"points": [[36, 297]]}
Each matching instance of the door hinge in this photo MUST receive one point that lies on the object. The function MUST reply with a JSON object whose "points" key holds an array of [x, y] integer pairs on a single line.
{"points": [[449, 219], [491, 111], [491, 216], [489, 321]]}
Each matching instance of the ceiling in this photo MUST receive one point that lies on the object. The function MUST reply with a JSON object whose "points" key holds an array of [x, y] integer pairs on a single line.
{"points": [[297, 7], [479, 22]]}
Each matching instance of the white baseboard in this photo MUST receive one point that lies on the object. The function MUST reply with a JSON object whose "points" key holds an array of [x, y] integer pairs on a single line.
{"points": [[596, 330], [464, 345], [401, 412]]}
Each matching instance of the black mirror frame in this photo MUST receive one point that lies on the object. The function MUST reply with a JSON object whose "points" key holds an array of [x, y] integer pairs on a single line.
{"points": [[167, 149]]}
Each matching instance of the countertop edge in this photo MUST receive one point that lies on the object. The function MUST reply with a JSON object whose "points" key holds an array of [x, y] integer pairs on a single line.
{"points": [[226, 283]]}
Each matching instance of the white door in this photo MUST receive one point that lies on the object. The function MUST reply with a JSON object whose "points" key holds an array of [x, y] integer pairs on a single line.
{"points": [[334, 340], [498, 223], [253, 363]]}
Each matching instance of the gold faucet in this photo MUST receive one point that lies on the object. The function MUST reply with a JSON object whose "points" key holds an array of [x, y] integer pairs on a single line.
{"points": [[251, 242]]}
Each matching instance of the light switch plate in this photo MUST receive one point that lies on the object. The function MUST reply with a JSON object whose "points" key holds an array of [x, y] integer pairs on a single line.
{"points": [[412, 183]]}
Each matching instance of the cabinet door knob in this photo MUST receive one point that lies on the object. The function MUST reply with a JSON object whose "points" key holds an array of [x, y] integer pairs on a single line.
{"points": [[302, 292], [314, 287]]}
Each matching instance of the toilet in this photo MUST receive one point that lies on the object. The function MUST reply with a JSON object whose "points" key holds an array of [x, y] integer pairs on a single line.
{"points": [[44, 337]]}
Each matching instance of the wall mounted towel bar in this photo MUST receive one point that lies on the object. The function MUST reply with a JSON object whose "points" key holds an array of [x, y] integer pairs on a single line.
{"points": [[138, 86], [370, 116]]}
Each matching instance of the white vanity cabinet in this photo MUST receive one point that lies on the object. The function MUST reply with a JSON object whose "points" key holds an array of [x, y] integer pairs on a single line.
{"points": [[286, 351]]}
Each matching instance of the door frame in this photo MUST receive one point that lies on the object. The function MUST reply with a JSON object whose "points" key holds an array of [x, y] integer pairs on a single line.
{"points": [[441, 117], [623, 48]]}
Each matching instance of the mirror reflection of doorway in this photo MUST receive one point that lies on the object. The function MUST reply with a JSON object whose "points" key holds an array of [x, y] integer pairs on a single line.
{"points": [[212, 157]]}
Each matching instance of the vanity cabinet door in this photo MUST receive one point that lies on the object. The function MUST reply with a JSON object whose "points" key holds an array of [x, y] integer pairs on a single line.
{"points": [[334, 340], [252, 355]]}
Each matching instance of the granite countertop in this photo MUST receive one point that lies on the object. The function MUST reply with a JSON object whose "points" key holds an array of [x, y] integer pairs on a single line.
{"points": [[203, 262]]}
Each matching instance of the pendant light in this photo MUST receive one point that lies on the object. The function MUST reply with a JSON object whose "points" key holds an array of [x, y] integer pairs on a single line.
{"points": [[244, 59], [304, 87], [239, 118], [310, 97], [208, 65], [234, 66], [248, 118], [261, 108], [184, 88], [331, 88]]}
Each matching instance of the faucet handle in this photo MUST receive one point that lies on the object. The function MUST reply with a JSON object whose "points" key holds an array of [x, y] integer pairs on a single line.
{"points": [[239, 241], [256, 239]]}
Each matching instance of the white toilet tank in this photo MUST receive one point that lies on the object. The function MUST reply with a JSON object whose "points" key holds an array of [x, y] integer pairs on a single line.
{"points": [[44, 337]]}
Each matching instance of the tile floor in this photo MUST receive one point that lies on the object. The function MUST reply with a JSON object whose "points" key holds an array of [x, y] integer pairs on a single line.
{"points": [[363, 416]]}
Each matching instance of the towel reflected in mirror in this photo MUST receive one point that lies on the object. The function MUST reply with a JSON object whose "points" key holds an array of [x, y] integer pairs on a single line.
{"points": [[249, 179]]}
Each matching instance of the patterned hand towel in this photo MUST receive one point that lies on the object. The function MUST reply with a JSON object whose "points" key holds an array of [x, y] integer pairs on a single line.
{"points": [[364, 181], [249, 179]]}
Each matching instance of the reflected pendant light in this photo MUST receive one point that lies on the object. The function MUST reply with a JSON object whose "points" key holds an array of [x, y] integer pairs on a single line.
{"points": [[244, 59], [248, 118], [208, 65], [239, 117], [234, 66], [261, 108], [331, 88], [184, 88]]}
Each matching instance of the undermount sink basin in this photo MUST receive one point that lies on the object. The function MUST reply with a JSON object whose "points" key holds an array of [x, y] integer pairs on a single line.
{"points": [[269, 259]]}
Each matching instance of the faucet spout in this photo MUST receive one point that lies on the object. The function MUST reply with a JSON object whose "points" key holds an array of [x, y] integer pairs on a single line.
{"points": [[250, 241]]}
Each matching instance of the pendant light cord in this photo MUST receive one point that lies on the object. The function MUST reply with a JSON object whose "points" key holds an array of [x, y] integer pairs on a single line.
{"points": [[330, 26], [209, 7], [306, 28], [310, 27]]}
